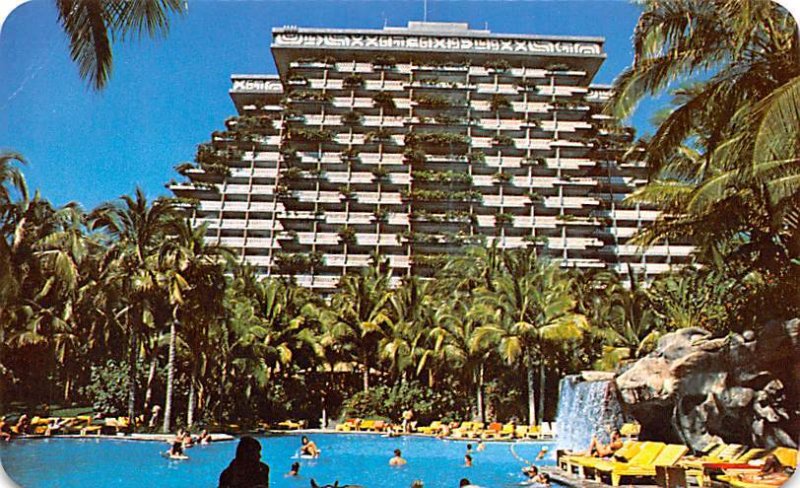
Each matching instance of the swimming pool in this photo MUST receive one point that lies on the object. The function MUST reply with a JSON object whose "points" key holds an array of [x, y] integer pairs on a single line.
{"points": [[349, 458]]}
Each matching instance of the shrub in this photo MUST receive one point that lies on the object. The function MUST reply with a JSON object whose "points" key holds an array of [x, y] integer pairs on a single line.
{"points": [[501, 177], [499, 102], [108, 387], [499, 65], [347, 235], [414, 157], [384, 100], [353, 81], [389, 403], [352, 118], [502, 140], [434, 101]]}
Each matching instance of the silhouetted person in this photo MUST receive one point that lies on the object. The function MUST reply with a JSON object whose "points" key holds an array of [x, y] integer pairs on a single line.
{"points": [[246, 470]]}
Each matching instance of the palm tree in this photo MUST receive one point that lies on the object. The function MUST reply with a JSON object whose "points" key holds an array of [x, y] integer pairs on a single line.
{"points": [[192, 273], [458, 340], [93, 25], [138, 228], [531, 306], [358, 313], [409, 310], [738, 186]]}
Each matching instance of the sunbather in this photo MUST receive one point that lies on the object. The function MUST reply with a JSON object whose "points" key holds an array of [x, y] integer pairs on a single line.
{"points": [[598, 449], [772, 472]]}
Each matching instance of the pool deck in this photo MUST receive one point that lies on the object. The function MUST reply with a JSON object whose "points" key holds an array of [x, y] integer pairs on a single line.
{"points": [[573, 481]]}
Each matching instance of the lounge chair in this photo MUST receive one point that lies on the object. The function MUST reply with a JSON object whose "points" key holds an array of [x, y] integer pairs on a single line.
{"points": [[348, 425], [534, 432], [507, 432], [477, 430], [366, 425], [379, 426], [462, 431], [668, 456], [493, 430], [581, 461], [546, 431], [521, 431], [708, 469], [292, 425], [431, 429]]}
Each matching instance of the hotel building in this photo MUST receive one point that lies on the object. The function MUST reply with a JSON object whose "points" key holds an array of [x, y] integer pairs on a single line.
{"points": [[414, 143]]}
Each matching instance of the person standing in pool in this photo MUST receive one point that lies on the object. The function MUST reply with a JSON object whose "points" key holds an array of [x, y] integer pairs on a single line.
{"points": [[295, 469], [397, 460], [308, 447], [246, 470]]}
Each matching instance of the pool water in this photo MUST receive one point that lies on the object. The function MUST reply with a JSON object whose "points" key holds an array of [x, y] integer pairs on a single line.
{"points": [[349, 458]]}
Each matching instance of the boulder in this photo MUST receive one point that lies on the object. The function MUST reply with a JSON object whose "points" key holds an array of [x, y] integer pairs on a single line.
{"points": [[698, 389]]}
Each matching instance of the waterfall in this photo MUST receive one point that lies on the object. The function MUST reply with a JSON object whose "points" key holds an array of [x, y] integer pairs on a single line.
{"points": [[586, 408]]}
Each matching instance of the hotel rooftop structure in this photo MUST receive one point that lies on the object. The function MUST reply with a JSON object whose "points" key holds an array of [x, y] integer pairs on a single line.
{"points": [[414, 143]]}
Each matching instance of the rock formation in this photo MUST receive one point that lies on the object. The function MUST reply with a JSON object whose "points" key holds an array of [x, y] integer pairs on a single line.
{"points": [[741, 388]]}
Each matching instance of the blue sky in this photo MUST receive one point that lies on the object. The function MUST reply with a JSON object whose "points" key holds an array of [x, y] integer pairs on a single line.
{"points": [[166, 96]]}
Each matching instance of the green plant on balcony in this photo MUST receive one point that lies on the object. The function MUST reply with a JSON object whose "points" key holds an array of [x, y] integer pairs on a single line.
{"points": [[503, 218], [381, 215], [184, 168], [378, 135], [534, 196], [534, 161], [434, 102], [309, 96], [502, 140], [382, 61], [565, 218], [422, 195], [293, 116], [476, 157], [310, 135], [255, 124], [297, 263], [448, 119], [433, 261], [352, 118], [292, 174], [216, 169], [380, 173], [326, 60], [422, 119], [349, 155], [432, 81], [289, 154], [316, 172], [346, 192], [384, 100], [282, 191], [566, 178], [353, 81], [414, 157], [502, 178], [499, 102], [533, 122], [536, 240], [557, 67], [498, 65], [444, 177], [435, 138], [527, 85], [347, 235]]}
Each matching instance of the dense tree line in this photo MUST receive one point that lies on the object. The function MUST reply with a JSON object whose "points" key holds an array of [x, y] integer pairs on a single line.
{"points": [[127, 305]]}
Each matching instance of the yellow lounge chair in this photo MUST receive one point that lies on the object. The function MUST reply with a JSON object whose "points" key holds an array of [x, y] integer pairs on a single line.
{"points": [[534, 432], [432, 429], [507, 432], [579, 461], [366, 425], [786, 455], [348, 425], [291, 425], [460, 432], [521, 432], [648, 452], [668, 456], [707, 469], [476, 431]]}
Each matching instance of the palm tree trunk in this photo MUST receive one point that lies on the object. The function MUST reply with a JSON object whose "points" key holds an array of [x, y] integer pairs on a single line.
{"points": [[170, 377], [531, 393], [542, 384], [190, 407], [132, 368], [481, 413], [365, 378], [151, 376]]}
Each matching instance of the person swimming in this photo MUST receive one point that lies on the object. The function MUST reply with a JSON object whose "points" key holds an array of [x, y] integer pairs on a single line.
{"points": [[397, 460], [295, 469], [467, 461], [481, 446], [176, 451]]}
